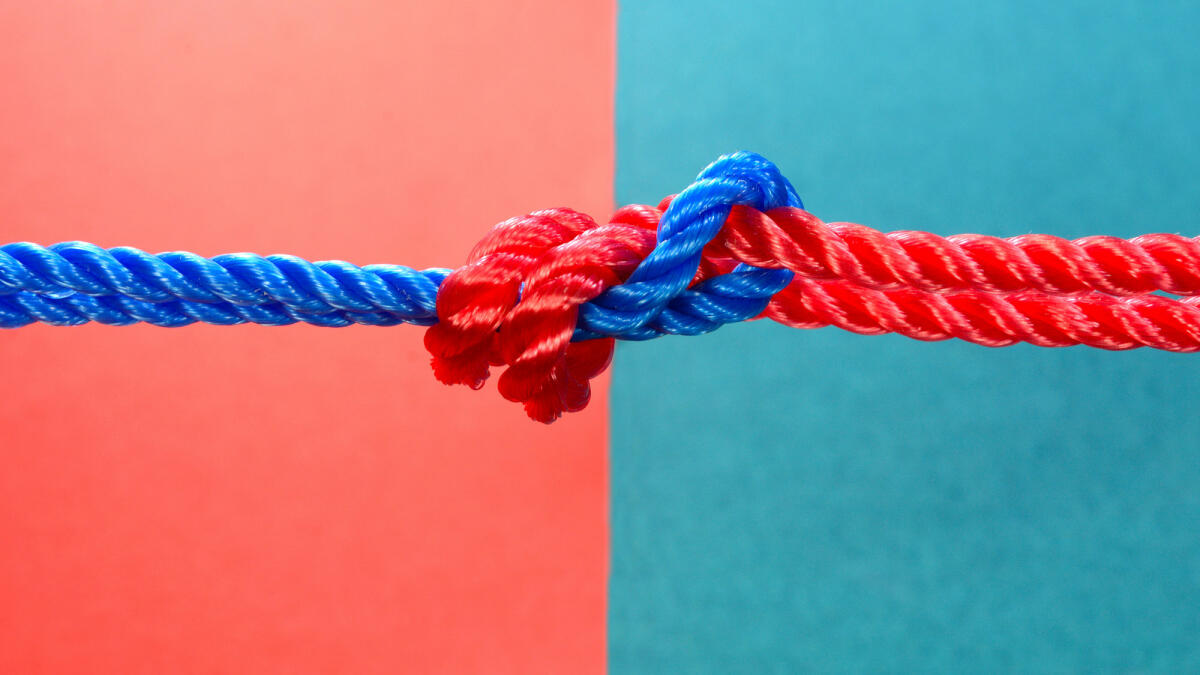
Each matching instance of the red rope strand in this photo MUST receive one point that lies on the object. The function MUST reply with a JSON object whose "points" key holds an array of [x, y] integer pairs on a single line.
{"points": [[801, 242], [474, 300], [991, 319]]}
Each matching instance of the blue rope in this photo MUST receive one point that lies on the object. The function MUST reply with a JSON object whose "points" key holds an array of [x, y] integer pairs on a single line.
{"points": [[72, 283]]}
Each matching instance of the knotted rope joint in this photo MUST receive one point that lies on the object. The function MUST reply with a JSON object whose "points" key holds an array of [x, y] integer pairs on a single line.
{"points": [[545, 295]]}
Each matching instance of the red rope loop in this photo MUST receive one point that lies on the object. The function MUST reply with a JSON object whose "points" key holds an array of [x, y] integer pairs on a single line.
{"points": [[554, 266], [474, 300]]}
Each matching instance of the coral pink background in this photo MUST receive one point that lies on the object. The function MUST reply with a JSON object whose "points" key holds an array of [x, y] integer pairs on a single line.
{"points": [[297, 499]]}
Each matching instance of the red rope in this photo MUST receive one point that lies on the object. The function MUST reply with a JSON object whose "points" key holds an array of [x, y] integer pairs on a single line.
{"points": [[473, 302], [1044, 290], [799, 241], [993, 319], [547, 372], [564, 259]]}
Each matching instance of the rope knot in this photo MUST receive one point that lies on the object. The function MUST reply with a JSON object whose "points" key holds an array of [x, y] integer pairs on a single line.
{"points": [[517, 302], [545, 294]]}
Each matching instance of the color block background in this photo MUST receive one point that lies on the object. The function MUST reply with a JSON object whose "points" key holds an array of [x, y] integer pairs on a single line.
{"points": [[789, 501], [267, 500], [305, 500]]}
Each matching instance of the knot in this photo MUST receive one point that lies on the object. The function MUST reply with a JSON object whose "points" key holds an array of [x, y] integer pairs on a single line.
{"points": [[515, 303], [546, 294], [518, 300], [474, 300]]}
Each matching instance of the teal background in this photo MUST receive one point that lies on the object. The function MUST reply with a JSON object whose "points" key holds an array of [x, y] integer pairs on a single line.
{"points": [[816, 501]]}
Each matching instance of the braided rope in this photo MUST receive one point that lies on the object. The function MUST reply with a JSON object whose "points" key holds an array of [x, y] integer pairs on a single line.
{"points": [[545, 294]]}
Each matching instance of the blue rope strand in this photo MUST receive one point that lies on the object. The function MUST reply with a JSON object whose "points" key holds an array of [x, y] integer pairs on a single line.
{"points": [[302, 288], [73, 283], [22, 309]]}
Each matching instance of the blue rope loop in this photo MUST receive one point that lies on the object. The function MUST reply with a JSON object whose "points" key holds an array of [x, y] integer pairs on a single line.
{"points": [[655, 299], [73, 283]]}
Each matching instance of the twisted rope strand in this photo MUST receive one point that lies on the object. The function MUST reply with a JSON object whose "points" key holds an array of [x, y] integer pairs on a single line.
{"points": [[22, 309], [475, 298], [693, 218], [535, 340], [795, 239], [238, 279], [993, 320]]}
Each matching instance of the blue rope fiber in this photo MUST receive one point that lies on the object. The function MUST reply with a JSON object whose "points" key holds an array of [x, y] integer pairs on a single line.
{"points": [[73, 283]]}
